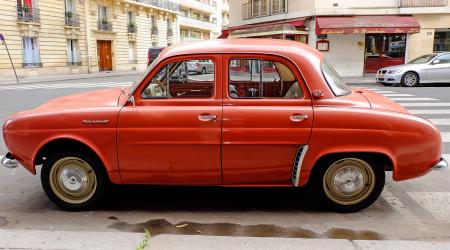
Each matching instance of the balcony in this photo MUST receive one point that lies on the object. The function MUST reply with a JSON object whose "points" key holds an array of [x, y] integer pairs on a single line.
{"points": [[74, 63], [155, 30], [163, 4], [190, 39], [25, 14], [199, 5], [262, 8], [132, 61], [423, 3], [32, 65], [195, 23], [72, 20], [169, 32], [132, 28], [104, 25]]}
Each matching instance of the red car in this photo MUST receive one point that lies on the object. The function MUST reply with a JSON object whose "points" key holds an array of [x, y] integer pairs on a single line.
{"points": [[243, 125]]}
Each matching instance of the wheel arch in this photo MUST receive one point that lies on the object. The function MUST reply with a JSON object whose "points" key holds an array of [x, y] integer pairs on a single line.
{"points": [[412, 71], [68, 143], [380, 158]]}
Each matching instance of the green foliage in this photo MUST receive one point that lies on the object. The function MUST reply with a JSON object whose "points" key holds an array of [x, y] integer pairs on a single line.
{"points": [[144, 243]]}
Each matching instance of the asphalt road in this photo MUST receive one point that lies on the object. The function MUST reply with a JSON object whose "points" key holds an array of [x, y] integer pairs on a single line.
{"points": [[410, 210]]}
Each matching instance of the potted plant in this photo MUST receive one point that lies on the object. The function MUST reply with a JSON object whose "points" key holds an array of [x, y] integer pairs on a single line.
{"points": [[104, 21], [69, 14]]}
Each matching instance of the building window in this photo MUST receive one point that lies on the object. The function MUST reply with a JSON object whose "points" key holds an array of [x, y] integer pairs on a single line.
{"points": [[441, 41], [73, 53], [132, 53], [27, 11], [154, 25], [72, 19], [31, 58], [131, 22], [103, 20]]}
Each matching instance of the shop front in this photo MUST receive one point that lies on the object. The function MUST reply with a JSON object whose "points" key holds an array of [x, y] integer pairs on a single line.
{"points": [[382, 41]]}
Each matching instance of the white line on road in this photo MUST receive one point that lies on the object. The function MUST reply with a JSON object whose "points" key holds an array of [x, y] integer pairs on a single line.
{"points": [[413, 99], [385, 92], [373, 89], [440, 121], [425, 104], [429, 111], [397, 95], [401, 209], [446, 156], [445, 136]]}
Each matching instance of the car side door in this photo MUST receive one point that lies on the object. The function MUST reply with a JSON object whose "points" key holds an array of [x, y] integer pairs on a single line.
{"points": [[439, 69], [172, 133], [267, 120]]}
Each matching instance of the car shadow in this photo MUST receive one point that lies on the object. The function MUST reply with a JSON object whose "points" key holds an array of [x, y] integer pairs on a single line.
{"points": [[421, 85], [211, 199]]}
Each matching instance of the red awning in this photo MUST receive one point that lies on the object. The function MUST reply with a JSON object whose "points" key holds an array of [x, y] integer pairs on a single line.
{"points": [[366, 24], [297, 22]]}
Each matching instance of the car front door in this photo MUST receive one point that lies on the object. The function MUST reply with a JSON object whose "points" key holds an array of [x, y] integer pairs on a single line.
{"points": [[267, 120], [172, 134], [439, 69]]}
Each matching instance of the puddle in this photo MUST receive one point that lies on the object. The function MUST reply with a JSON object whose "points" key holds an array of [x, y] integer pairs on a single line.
{"points": [[3, 221], [162, 226]]}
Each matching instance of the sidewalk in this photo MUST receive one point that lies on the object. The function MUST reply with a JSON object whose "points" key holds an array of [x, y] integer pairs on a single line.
{"points": [[57, 78], [52, 240], [362, 79]]}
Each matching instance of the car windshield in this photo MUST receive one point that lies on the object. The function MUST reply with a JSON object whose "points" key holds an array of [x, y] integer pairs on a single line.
{"points": [[333, 79], [143, 76], [423, 59]]}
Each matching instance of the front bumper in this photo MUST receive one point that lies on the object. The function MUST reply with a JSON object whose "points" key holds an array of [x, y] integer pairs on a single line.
{"points": [[8, 161], [442, 164], [389, 78]]}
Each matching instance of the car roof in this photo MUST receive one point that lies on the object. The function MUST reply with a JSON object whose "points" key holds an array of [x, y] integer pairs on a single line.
{"points": [[246, 45]]}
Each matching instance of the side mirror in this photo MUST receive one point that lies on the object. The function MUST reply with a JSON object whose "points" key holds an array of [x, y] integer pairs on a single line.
{"points": [[436, 61]]}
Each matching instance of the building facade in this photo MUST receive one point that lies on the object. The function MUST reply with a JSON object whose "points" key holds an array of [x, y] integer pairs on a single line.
{"points": [[48, 37], [357, 37]]}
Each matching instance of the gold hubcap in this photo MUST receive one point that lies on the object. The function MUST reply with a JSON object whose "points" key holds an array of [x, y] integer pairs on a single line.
{"points": [[349, 181], [73, 180]]}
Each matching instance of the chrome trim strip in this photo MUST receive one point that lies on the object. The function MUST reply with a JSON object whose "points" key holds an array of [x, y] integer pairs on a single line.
{"points": [[298, 161], [442, 164]]}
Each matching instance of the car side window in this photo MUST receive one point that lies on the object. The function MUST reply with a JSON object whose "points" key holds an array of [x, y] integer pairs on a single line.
{"points": [[443, 59], [183, 79], [254, 78]]}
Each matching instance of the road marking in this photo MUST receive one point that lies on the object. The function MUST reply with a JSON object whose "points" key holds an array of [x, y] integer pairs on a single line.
{"points": [[373, 89], [425, 104], [446, 157], [397, 95], [429, 111], [445, 136], [440, 121], [413, 99], [436, 203], [395, 203], [385, 92]]}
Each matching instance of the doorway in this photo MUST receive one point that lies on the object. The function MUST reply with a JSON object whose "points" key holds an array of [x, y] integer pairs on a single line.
{"points": [[384, 50], [104, 55]]}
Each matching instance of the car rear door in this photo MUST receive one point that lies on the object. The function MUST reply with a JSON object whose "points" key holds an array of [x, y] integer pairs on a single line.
{"points": [[267, 119], [172, 135]]}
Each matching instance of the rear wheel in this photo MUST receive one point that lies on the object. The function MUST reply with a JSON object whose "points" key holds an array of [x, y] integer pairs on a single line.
{"points": [[410, 79], [203, 71], [349, 184], [73, 180]]}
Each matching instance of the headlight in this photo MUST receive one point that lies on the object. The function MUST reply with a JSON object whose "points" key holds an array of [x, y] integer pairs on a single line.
{"points": [[395, 71]]}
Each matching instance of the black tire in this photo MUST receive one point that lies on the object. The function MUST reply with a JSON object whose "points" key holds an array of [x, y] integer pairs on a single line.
{"points": [[203, 71], [410, 79], [360, 200], [59, 194]]}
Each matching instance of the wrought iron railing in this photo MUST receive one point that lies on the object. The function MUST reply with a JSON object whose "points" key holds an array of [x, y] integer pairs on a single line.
{"points": [[25, 14], [132, 28], [155, 30], [32, 65], [104, 25], [74, 63], [72, 19], [165, 4], [261, 8], [170, 33], [423, 3], [133, 61]]}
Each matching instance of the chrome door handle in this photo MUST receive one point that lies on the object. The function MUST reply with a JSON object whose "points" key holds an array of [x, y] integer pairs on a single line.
{"points": [[207, 117], [298, 117]]}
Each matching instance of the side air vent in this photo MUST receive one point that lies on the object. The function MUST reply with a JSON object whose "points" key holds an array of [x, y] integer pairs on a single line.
{"points": [[298, 164]]}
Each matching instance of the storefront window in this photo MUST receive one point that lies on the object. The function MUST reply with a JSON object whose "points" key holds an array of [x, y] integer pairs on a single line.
{"points": [[383, 50], [441, 41]]}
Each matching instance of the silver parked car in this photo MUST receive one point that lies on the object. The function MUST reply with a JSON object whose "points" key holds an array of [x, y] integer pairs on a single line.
{"points": [[432, 68]]}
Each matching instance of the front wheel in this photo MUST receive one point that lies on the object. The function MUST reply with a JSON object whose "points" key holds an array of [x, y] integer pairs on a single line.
{"points": [[410, 79], [349, 184], [73, 180]]}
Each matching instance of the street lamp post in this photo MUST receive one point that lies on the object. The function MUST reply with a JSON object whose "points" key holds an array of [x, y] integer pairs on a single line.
{"points": [[2, 38]]}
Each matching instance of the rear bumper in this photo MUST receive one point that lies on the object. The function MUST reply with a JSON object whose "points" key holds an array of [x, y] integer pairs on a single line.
{"points": [[8, 161], [442, 164]]}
